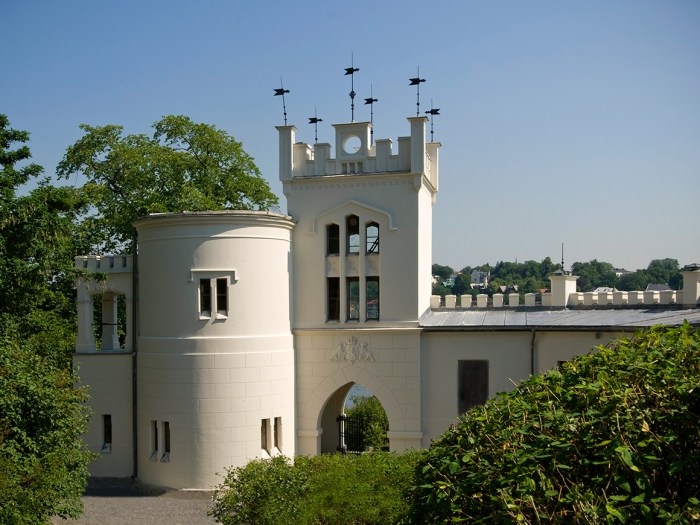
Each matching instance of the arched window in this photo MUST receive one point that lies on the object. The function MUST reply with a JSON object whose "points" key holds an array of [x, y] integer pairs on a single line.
{"points": [[353, 234], [372, 237], [332, 239]]}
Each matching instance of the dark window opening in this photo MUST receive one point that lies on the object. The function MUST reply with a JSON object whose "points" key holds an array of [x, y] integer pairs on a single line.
{"points": [[472, 384], [205, 297], [106, 433], [278, 433], [334, 299], [332, 239], [222, 296]]}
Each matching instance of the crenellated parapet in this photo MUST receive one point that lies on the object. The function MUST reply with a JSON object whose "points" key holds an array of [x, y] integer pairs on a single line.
{"points": [[105, 263], [356, 155]]}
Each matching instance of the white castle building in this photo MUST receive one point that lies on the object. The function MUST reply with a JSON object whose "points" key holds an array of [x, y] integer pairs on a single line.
{"points": [[251, 327]]}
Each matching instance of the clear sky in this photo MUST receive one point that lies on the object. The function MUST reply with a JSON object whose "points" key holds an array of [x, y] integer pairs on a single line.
{"points": [[573, 122]]}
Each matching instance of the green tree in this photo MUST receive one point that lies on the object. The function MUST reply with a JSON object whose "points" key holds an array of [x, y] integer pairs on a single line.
{"points": [[633, 281], [665, 271], [443, 272], [43, 461], [183, 166], [377, 423], [461, 285], [39, 237], [612, 437], [593, 274]]}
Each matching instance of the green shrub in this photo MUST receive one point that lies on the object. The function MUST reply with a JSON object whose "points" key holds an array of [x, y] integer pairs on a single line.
{"points": [[370, 409], [613, 437], [329, 489]]}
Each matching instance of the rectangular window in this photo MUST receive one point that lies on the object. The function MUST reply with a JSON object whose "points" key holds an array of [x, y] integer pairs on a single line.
{"points": [[205, 297], [265, 435], [333, 284], [372, 295], [332, 239], [166, 442], [154, 440], [278, 433], [472, 384], [106, 432], [353, 298], [222, 297]]}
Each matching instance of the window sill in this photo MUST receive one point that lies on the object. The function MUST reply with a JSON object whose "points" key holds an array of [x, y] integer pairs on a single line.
{"points": [[106, 448]]}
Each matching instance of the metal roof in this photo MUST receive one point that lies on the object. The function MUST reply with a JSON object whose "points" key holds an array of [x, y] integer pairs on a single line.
{"points": [[443, 319]]}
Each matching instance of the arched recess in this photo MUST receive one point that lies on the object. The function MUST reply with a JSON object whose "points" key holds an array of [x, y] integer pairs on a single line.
{"points": [[318, 416]]}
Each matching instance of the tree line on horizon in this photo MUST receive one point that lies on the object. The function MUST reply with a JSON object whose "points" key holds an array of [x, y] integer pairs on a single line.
{"points": [[533, 276]]}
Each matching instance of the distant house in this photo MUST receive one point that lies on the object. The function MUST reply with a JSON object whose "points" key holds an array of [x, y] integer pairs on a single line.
{"points": [[619, 272], [479, 278], [604, 289], [657, 287]]}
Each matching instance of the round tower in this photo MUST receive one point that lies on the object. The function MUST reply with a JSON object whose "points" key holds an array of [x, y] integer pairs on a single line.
{"points": [[215, 357]]}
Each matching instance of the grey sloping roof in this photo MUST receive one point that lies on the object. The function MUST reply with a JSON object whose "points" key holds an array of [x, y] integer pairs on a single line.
{"points": [[561, 319]]}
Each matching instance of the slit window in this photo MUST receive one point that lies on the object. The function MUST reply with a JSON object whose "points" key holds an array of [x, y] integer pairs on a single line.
{"points": [[333, 284], [332, 239], [278, 433], [265, 435], [353, 235], [106, 432], [372, 237], [154, 440], [353, 298], [166, 442]]}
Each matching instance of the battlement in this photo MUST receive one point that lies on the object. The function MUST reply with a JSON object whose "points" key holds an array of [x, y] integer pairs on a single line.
{"points": [[356, 155], [105, 263]]}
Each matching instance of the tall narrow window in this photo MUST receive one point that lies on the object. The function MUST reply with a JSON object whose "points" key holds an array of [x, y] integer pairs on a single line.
{"points": [[372, 295], [353, 298], [265, 435], [332, 239], [472, 384], [372, 237], [333, 298], [106, 432], [353, 234], [154, 440], [278, 433], [222, 297], [166, 442], [205, 297]]}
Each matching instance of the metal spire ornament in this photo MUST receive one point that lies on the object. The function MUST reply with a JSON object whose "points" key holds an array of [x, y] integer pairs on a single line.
{"points": [[315, 120], [371, 102], [432, 112], [351, 71], [417, 82], [280, 92]]}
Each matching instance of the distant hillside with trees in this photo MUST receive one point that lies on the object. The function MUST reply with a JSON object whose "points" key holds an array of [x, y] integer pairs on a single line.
{"points": [[533, 276]]}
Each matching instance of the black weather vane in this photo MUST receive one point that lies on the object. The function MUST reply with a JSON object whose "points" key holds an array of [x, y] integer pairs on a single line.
{"points": [[280, 91], [432, 112], [417, 82], [371, 102], [315, 120], [351, 71]]}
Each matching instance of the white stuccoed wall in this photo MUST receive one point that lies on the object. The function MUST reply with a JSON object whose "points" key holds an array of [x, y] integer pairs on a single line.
{"points": [[213, 380]]}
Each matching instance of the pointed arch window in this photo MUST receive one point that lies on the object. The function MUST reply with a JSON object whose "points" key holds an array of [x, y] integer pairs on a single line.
{"points": [[353, 235], [372, 237], [332, 239]]}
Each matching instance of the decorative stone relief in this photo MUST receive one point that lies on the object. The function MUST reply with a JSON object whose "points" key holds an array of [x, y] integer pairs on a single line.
{"points": [[353, 351]]}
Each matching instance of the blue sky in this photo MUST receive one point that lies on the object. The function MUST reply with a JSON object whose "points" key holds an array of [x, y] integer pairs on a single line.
{"points": [[573, 122]]}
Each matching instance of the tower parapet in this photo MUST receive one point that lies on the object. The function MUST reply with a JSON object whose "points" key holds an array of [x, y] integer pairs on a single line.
{"points": [[355, 155]]}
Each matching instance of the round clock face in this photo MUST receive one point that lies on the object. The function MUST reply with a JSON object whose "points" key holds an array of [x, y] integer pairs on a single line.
{"points": [[352, 144]]}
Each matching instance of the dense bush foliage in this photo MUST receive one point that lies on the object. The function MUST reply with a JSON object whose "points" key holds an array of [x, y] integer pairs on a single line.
{"points": [[612, 437], [43, 461], [328, 489]]}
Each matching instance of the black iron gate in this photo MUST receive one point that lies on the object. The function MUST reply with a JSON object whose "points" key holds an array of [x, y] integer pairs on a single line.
{"points": [[351, 434]]}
